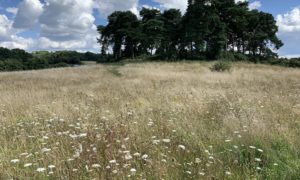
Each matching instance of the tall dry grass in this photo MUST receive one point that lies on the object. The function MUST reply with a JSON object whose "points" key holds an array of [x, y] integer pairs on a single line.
{"points": [[150, 121]]}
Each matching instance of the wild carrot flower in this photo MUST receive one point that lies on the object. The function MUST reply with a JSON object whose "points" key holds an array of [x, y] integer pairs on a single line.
{"points": [[15, 161], [182, 147], [27, 165], [40, 169], [96, 166], [166, 140]]}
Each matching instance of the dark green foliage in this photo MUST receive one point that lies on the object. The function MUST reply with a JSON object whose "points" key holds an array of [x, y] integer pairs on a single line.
{"points": [[11, 65], [17, 59], [208, 30], [234, 56], [123, 29], [221, 66], [294, 62]]}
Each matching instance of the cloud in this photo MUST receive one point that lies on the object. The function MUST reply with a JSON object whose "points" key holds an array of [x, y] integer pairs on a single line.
{"points": [[87, 42], [27, 14], [255, 5], [67, 24], [176, 4], [289, 22], [12, 10], [5, 28], [8, 37], [106, 7], [289, 30], [66, 19]]}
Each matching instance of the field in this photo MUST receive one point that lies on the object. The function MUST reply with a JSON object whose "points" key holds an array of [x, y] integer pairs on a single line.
{"points": [[150, 121]]}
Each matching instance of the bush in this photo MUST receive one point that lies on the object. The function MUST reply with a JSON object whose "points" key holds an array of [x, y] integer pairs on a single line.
{"points": [[221, 66], [37, 63], [234, 56], [295, 62], [11, 65]]}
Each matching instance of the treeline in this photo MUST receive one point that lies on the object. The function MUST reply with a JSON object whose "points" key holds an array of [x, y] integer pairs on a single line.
{"points": [[18, 59], [209, 30]]}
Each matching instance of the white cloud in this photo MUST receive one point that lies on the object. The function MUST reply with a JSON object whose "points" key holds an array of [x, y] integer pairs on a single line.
{"points": [[18, 42], [5, 28], [176, 4], [27, 14], [88, 43], [106, 7], [289, 22], [255, 5], [8, 37], [289, 30], [12, 10], [67, 24], [66, 19]]}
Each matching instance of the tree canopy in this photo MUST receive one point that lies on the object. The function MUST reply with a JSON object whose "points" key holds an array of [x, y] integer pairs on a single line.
{"points": [[210, 29]]}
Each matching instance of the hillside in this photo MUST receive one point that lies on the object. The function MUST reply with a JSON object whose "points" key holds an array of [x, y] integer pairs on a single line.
{"points": [[150, 121]]}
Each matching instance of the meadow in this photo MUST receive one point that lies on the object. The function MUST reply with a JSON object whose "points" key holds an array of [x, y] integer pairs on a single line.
{"points": [[150, 121]]}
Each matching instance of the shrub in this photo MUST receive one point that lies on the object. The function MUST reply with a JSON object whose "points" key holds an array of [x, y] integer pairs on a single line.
{"points": [[295, 62], [11, 65], [221, 66], [234, 56], [240, 57]]}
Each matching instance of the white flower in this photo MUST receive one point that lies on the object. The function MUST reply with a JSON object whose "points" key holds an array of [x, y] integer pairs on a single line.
{"points": [[132, 170], [137, 154], [145, 156], [45, 150], [227, 140], [27, 165], [96, 166], [201, 173], [181, 147], [166, 140], [15, 161], [252, 147], [228, 173], [258, 168], [112, 161], [24, 154], [115, 171], [197, 160], [275, 164], [128, 157], [258, 159], [51, 166], [156, 142], [260, 150], [40, 169], [83, 135]]}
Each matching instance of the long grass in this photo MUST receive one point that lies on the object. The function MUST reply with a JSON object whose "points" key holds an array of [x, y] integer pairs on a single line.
{"points": [[150, 121]]}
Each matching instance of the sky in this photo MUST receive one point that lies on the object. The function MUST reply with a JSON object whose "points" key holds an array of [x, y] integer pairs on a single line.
{"points": [[71, 24]]}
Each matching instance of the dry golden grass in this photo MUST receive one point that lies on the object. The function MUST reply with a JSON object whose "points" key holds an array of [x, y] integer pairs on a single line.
{"points": [[150, 121]]}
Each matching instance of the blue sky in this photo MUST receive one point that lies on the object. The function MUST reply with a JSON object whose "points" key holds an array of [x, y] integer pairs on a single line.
{"points": [[71, 24]]}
